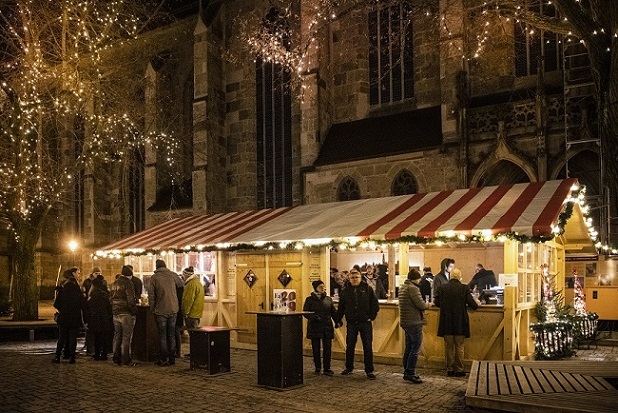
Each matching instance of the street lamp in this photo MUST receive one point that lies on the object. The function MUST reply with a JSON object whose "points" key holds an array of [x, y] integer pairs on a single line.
{"points": [[73, 245]]}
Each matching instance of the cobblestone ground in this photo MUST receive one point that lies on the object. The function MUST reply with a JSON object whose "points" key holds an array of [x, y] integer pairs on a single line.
{"points": [[29, 382]]}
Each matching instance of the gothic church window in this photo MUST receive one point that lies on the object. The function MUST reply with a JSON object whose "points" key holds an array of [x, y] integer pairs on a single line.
{"points": [[274, 124], [348, 190], [404, 184], [533, 46], [391, 63]]}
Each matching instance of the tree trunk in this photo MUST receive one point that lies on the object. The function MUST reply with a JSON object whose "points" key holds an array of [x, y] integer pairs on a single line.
{"points": [[26, 288]]}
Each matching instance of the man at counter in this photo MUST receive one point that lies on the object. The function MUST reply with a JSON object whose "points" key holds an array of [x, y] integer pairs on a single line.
{"points": [[411, 318], [454, 323], [483, 279], [122, 298], [360, 307], [163, 299]]}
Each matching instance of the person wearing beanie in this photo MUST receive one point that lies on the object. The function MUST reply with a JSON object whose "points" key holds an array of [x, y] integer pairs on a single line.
{"points": [[454, 323], [87, 284], [411, 319], [124, 309], [320, 328], [192, 298], [138, 285], [163, 301]]}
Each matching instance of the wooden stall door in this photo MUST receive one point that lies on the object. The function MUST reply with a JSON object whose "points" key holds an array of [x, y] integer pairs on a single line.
{"points": [[291, 263], [250, 298]]}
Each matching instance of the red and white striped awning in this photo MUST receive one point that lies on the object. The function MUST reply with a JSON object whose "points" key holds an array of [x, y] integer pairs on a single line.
{"points": [[530, 209]]}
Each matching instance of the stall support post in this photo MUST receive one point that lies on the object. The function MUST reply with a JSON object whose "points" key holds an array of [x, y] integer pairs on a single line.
{"points": [[404, 265], [510, 257], [511, 328]]}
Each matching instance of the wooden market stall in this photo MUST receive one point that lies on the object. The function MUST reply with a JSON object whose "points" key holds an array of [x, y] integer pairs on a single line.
{"points": [[245, 258]]}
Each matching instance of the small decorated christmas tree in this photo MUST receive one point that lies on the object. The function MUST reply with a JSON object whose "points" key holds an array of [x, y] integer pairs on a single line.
{"points": [[553, 335], [579, 298]]}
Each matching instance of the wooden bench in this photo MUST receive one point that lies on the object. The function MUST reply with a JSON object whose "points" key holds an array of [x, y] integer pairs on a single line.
{"points": [[543, 386], [30, 326]]}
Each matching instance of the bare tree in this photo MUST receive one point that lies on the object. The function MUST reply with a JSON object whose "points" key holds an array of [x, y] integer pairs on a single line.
{"points": [[66, 102]]}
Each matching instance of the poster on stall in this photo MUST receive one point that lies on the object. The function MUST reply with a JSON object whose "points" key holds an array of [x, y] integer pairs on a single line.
{"points": [[507, 279], [284, 300]]}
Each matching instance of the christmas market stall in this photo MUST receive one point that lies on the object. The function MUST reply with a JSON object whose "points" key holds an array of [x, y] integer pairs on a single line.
{"points": [[266, 259]]}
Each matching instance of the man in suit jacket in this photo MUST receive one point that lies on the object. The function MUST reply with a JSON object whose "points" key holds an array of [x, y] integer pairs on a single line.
{"points": [[454, 324]]}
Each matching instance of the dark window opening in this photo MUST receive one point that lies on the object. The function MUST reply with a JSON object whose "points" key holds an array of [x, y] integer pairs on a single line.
{"points": [[404, 184], [534, 47], [274, 126], [391, 63], [348, 190]]}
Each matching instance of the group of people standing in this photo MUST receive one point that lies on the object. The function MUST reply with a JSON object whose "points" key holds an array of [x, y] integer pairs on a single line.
{"points": [[358, 304], [175, 302]]}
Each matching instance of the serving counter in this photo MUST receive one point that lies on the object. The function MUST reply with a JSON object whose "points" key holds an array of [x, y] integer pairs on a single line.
{"points": [[497, 332]]}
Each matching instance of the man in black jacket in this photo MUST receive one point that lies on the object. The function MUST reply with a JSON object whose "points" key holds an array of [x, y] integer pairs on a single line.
{"points": [[483, 279], [360, 307], [426, 283]]}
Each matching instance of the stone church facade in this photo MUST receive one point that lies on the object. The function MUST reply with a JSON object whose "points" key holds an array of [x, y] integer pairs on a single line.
{"points": [[388, 107]]}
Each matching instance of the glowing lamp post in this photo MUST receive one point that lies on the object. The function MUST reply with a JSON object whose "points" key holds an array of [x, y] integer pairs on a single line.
{"points": [[73, 245]]}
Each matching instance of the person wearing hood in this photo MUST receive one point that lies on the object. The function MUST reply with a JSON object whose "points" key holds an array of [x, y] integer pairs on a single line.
{"points": [[320, 327], [163, 300], [412, 318], [192, 298], [441, 278]]}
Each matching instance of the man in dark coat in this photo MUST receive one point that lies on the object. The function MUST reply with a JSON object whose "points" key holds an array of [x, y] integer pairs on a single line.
{"points": [[360, 307], [454, 324], [483, 279], [100, 318], [446, 267], [320, 327], [69, 303], [426, 283]]}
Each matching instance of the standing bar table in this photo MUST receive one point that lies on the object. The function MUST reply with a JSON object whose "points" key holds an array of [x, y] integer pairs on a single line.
{"points": [[280, 349], [210, 349], [145, 342]]}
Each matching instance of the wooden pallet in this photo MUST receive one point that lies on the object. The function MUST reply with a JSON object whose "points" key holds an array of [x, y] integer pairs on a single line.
{"points": [[561, 386]]}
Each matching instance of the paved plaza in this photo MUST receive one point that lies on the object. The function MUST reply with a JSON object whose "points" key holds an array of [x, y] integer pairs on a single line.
{"points": [[29, 382]]}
